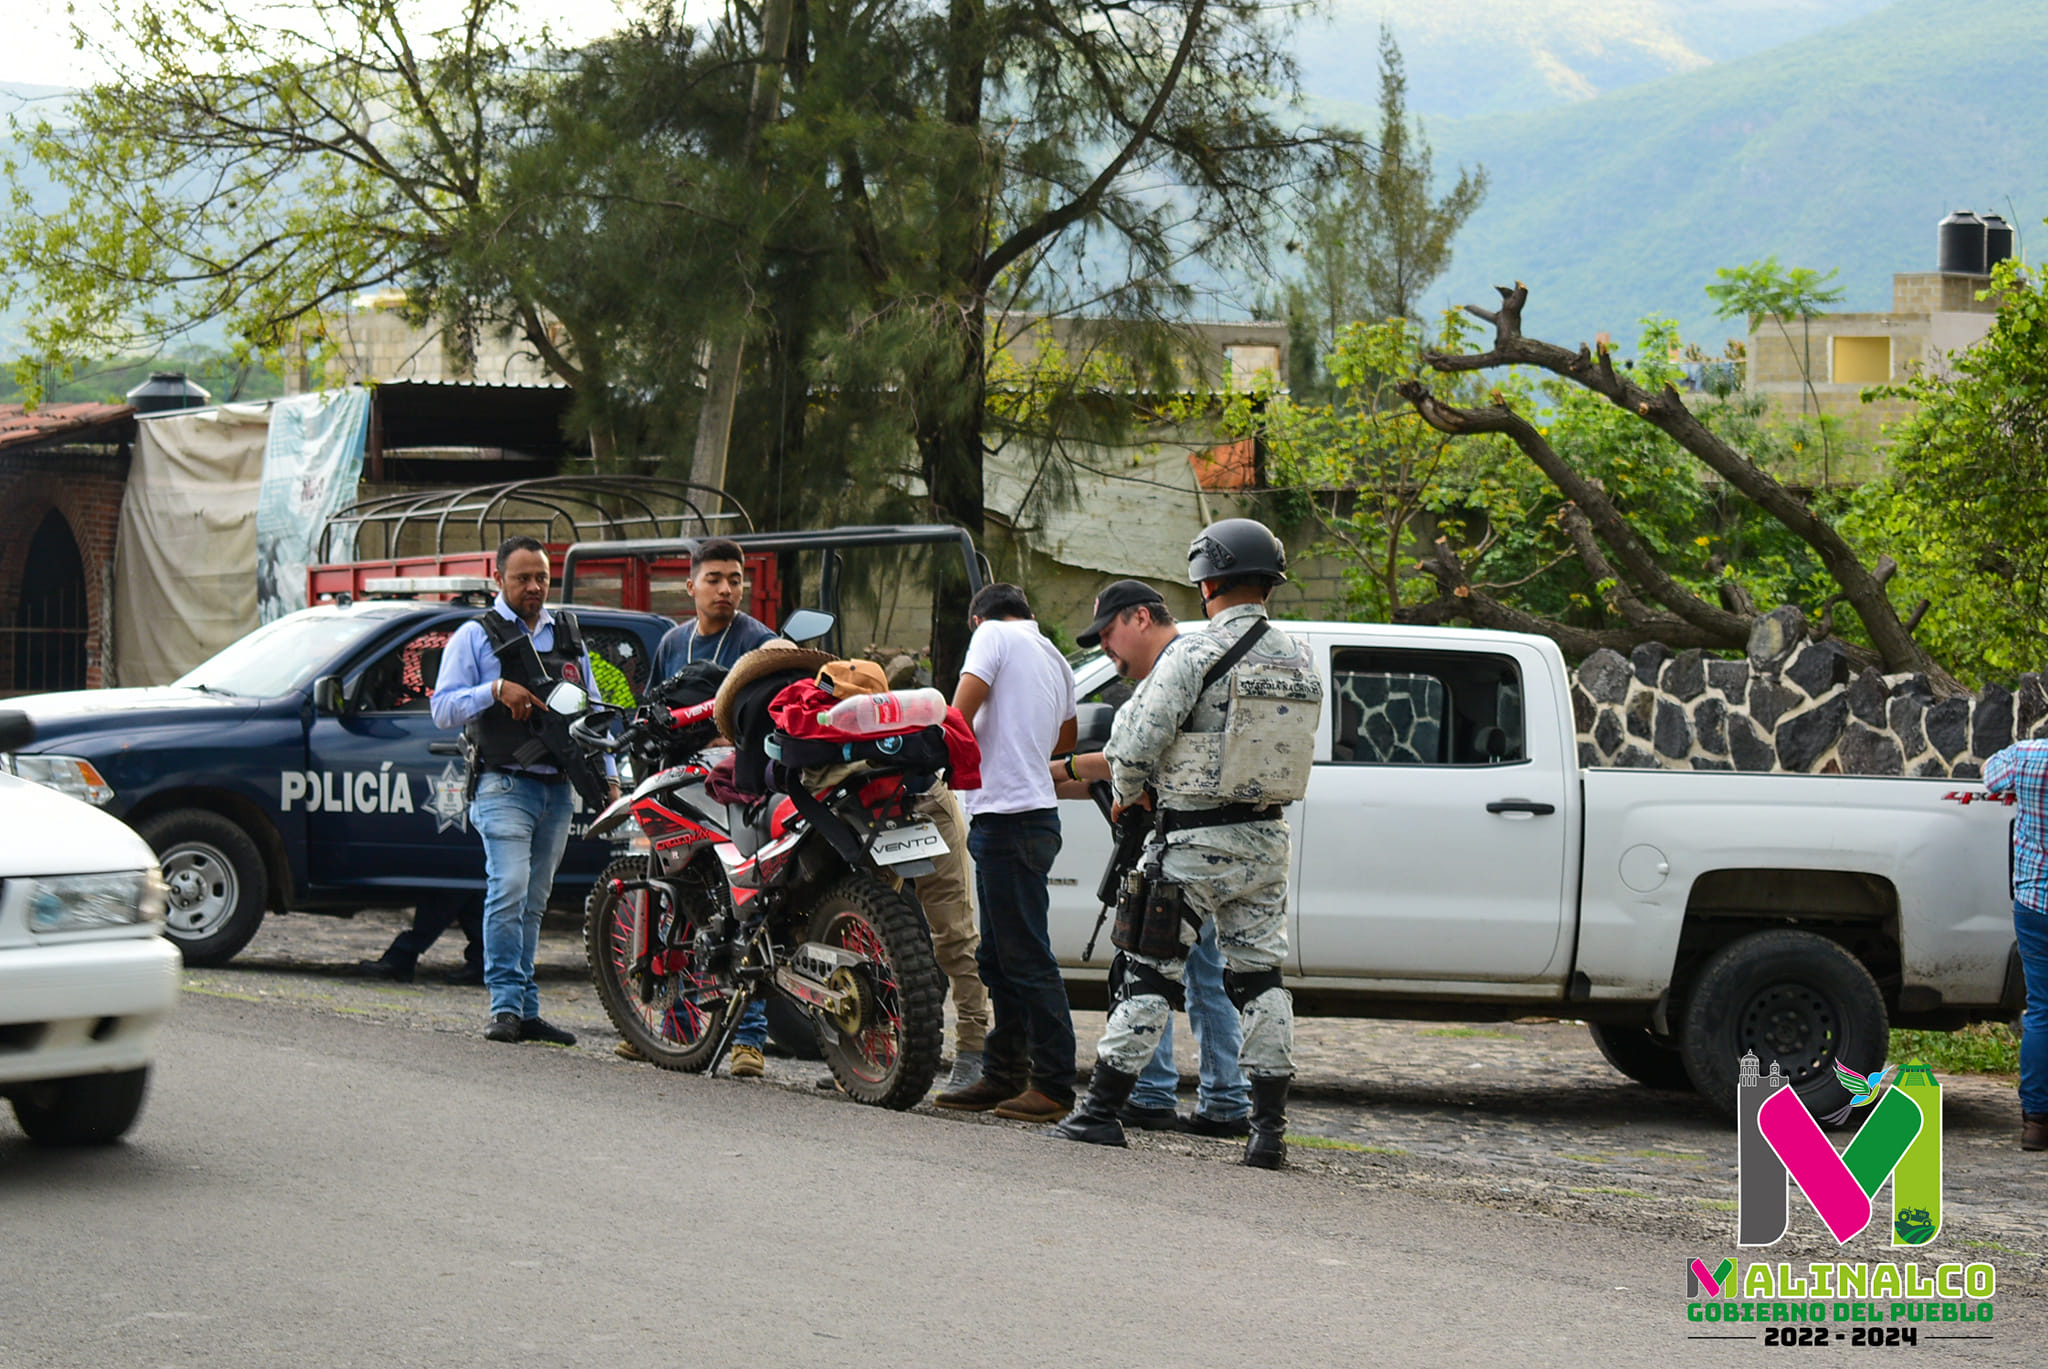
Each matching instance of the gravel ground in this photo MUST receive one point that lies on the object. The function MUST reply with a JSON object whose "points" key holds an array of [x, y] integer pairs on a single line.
{"points": [[1523, 1116]]}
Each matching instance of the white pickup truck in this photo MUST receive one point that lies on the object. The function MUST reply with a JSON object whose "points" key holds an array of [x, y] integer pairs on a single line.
{"points": [[1453, 861], [86, 975]]}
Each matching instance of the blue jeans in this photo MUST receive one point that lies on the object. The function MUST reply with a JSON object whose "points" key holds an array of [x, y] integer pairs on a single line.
{"points": [[753, 1027], [2032, 927], [1219, 1032], [525, 826], [1033, 1031]]}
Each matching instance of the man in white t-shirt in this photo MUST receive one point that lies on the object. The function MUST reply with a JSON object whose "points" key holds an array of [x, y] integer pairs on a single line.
{"points": [[1017, 693]]}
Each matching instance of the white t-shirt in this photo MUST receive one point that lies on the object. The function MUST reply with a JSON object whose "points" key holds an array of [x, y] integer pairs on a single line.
{"points": [[1030, 694]]}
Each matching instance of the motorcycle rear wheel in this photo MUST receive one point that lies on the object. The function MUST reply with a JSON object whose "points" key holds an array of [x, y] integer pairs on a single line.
{"points": [[676, 1028], [891, 1061]]}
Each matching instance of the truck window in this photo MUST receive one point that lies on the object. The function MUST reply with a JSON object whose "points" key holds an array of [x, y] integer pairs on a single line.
{"points": [[621, 663], [402, 680], [1395, 707]]}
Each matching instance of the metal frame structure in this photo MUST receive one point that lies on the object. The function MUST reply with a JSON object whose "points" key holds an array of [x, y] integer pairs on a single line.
{"points": [[828, 540], [597, 497]]}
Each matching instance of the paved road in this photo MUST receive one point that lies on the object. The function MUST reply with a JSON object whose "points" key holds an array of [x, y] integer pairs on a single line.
{"points": [[309, 1189]]}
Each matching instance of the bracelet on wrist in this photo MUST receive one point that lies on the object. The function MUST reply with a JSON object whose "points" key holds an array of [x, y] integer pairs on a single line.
{"points": [[1072, 773]]}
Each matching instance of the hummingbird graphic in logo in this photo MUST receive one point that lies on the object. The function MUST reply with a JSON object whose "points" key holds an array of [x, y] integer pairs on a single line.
{"points": [[1862, 1088]]}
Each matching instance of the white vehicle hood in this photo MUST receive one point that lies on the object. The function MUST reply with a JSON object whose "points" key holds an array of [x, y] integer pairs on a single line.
{"points": [[43, 832]]}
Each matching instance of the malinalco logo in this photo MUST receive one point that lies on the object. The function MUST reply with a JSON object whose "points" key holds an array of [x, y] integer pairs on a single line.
{"points": [[1780, 1143]]}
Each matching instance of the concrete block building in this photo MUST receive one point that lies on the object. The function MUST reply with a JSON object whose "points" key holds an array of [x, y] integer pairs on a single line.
{"points": [[1934, 316]]}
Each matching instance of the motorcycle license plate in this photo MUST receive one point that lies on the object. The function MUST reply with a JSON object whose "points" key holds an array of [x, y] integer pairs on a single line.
{"points": [[919, 842]]}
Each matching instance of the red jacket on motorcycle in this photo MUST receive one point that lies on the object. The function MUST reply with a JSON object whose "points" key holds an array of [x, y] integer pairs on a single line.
{"points": [[796, 708]]}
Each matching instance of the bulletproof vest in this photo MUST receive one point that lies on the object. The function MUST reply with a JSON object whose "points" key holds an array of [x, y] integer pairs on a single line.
{"points": [[1272, 704], [496, 736]]}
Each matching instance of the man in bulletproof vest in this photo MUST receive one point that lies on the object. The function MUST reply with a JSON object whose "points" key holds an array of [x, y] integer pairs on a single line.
{"points": [[1135, 629], [1216, 740], [524, 771]]}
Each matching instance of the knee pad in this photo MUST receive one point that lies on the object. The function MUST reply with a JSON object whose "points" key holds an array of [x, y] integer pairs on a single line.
{"points": [[1243, 988], [1130, 978]]}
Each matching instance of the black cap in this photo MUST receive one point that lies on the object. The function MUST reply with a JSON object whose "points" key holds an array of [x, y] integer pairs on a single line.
{"points": [[1114, 600]]}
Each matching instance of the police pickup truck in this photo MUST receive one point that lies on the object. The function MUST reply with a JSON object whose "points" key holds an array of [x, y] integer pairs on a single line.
{"points": [[1452, 860], [300, 769]]}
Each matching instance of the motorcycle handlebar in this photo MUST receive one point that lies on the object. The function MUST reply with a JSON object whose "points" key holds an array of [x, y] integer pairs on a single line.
{"points": [[600, 715]]}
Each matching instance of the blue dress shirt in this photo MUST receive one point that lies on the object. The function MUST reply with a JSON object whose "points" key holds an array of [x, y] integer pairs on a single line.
{"points": [[469, 672]]}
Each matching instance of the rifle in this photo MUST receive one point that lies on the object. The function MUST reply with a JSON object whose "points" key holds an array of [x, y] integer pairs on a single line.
{"points": [[1131, 832]]}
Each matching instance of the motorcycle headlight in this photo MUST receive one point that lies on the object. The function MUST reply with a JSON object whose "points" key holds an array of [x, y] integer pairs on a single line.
{"points": [[79, 903], [73, 775]]}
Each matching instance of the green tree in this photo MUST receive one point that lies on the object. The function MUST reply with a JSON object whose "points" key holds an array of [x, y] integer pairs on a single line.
{"points": [[1640, 589], [1967, 496], [255, 168], [1434, 527], [1373, 235], [1062, 157], [1764, 290]]}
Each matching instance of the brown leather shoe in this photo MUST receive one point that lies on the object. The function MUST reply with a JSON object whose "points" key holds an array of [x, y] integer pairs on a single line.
{"points": [[1032, 1106], [2034, 1131], [980, 1096]]}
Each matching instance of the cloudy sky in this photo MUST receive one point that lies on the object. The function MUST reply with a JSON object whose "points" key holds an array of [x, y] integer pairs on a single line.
{"points": [[40, 49]]}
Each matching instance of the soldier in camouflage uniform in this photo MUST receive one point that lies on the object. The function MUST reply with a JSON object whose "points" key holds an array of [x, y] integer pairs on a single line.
{"points": [[1227, 844]]}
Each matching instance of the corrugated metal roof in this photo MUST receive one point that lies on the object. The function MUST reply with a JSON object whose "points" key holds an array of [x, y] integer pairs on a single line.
{"points": [[19, 427]]}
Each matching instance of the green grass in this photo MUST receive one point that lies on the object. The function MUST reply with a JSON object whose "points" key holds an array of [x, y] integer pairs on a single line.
{"points": [[1471, 1031], [1981, 1048], [1999, 1246], [1329, 1143], [1718, 1204], [1614, 1192]]}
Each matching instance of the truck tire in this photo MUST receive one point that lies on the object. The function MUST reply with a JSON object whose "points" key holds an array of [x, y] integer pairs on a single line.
{"points": [[1793, 997], [1651, 1060], [89, 1110], [216, 880]]}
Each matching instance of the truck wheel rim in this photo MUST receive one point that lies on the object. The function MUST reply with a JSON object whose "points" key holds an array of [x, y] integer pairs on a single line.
{"points": [[203, 890], [1794, 1024]]}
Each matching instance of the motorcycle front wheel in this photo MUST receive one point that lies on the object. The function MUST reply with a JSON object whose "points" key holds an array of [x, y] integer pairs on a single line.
{"points": [[669, 1011], [889, 1057]]}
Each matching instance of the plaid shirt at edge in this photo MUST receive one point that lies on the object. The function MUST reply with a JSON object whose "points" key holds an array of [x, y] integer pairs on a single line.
{"points": [[2022, 770]]}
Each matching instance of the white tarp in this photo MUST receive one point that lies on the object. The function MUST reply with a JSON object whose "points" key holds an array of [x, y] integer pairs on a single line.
{"points": [[185, 567], [311, 466]]}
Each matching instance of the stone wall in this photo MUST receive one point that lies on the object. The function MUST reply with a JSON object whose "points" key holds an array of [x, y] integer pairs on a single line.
{"points": [[1793, 705]]}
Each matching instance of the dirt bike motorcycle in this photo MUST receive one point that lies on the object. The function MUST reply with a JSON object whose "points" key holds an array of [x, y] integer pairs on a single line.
{"points": [[799, 896]]}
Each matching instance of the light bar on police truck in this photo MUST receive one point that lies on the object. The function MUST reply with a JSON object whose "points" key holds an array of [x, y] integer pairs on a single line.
{"points": [[431, 584]]}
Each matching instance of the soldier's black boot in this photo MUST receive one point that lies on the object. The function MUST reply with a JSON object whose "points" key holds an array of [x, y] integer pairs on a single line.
{"points": [[1266, 1147], [1094, 1120]]}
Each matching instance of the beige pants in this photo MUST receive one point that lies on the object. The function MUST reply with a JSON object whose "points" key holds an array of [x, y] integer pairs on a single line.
{"points": [[948, 899]]}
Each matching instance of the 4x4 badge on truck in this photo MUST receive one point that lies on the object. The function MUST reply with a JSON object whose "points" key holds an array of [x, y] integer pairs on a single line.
{"points": [[449, 807]]}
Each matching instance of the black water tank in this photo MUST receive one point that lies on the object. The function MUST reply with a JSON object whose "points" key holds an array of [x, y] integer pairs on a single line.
{"points": [[165, 391], [1997, 240], [1959, 245]]}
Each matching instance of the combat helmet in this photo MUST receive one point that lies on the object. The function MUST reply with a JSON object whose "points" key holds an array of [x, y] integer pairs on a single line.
{"points": [[1236, 546]]}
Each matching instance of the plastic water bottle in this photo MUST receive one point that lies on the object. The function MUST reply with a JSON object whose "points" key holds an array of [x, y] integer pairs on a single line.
{"points": [[898, 710]]}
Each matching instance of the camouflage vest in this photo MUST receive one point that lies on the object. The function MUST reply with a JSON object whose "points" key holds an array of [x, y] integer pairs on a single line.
{"points": [[1273, 706]]}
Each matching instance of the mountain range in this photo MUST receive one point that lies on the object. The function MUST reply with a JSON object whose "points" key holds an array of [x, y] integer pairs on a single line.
{"points": [[1634, 146], [1838, 150]]}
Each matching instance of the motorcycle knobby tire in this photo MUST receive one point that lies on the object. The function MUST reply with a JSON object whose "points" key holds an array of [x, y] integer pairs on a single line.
{"points": [[892, 1061], [670, 1035]]}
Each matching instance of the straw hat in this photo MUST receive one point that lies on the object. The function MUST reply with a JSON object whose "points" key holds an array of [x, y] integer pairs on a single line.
{"points": [[769, 658]]}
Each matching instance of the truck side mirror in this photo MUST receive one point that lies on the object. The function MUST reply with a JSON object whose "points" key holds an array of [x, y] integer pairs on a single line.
{"points": [[328, 696]]}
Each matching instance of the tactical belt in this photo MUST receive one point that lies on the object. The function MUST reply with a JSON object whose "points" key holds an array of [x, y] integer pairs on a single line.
{"points": [[1183, 819]]}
